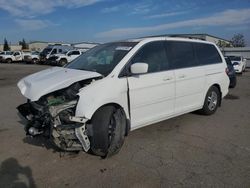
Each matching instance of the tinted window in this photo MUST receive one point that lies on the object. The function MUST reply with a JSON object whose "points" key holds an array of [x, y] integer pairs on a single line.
{"points": [[207, 54], [235, 58], [180, 54], [60, 50], [154, 55], [53, 51], [75, 53]]}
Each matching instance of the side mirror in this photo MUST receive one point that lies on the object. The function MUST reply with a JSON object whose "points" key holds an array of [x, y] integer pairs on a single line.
{"points": [[139, 68]]}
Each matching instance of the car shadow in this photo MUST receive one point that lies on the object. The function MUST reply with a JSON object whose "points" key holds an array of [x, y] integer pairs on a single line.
{"points": [[12, 174]]}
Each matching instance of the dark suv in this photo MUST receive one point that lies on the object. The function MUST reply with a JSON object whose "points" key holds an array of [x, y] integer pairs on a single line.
{"points": [[231, 73]]}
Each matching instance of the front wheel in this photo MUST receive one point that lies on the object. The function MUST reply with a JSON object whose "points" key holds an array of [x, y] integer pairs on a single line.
{"points": [[34, 61], [63, 62], [109, 129], [212, 101]]}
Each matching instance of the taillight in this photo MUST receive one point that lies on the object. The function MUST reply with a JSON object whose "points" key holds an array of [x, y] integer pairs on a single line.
{"points": [[227, 71]]}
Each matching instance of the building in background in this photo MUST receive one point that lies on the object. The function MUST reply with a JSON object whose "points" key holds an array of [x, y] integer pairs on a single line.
{"points": [[84, 46], [217, 40], [40, 45], [13, 47]]}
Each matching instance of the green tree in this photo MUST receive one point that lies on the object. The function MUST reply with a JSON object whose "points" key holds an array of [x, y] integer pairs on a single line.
{"points": [[223, 44], [6, 46], [24, 45], [238, 40]]}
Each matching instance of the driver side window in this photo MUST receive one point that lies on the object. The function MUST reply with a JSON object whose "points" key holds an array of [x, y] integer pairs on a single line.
{"points": [[154, 54], [53, 51]]}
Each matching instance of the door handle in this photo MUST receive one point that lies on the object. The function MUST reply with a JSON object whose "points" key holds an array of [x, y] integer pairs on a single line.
{"points": [[182, 76], [167, 78]]}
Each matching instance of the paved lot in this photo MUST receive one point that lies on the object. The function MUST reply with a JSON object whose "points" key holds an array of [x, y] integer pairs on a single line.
{"points": [[187, 151]]}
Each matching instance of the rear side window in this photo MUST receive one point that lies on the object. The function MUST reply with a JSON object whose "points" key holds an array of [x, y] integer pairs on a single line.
{"points": [[207, 54], [180, 54], [154, 54], [75, 53]]}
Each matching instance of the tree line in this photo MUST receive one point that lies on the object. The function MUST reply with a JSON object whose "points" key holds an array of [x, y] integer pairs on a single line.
{"points": [[6, 46]]}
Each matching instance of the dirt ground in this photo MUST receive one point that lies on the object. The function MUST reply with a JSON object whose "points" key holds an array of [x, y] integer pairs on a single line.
{"points": [[187, 151]]}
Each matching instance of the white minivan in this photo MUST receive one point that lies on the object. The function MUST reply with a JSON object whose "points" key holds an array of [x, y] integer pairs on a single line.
{"points": [[93, 102]]}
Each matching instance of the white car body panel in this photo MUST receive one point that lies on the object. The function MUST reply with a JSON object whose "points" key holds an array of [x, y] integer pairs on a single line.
{"points": [[153, 97], [101, 92], [36, 85]]}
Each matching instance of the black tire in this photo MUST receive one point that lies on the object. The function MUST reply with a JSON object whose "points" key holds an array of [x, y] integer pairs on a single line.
{"points": [[109, 129], [8, 60], [212, 101], [35, 61], [63, 62]]}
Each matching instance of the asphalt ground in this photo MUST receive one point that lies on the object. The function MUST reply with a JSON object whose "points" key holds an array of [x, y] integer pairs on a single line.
{"points": [[187, 151]]}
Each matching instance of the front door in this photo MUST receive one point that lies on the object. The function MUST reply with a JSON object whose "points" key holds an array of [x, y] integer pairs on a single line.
{"points": [[151, 94]]}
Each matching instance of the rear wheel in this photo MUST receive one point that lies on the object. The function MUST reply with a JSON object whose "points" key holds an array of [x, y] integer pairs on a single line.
{"points": [[212, 101], [109, 128], [9, 60]]}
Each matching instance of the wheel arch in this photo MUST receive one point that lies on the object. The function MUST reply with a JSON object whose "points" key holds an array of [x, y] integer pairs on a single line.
{"points": [[92, 111], [219, 88], [8, 59]]}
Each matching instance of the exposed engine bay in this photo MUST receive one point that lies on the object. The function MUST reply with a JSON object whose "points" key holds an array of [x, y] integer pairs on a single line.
{"points": [[52, 116]]}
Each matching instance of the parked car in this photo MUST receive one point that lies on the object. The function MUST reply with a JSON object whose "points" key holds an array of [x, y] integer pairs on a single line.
{"points": [[33, 57], [239, 63], [63, 59], [52, 50], [3, 55], [16, 56], [93, 102], [231, 73], [4, 52]]}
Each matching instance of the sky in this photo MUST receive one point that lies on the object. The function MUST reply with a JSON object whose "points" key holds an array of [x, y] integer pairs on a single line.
{"points": [[109, 20]]}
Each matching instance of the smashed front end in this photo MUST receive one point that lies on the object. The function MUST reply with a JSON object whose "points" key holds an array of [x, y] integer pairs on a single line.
{"points": [[52, 116]]}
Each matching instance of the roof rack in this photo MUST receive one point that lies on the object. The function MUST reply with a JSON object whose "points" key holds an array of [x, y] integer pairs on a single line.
{"points": [[175, 35]]}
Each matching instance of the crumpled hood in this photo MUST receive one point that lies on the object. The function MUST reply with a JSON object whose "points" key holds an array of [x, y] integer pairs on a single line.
{"points": [[41, 83]]}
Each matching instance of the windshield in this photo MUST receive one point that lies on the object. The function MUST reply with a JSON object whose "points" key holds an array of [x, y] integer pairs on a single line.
{"points": [[46, 50], [235, 58], [103, 58], [35, 53]]}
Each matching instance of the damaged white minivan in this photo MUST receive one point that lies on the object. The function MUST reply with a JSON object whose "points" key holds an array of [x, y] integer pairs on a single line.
{"points": [[93, 102]]}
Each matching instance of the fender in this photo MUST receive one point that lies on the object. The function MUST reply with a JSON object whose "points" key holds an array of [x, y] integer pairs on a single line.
{"points": [[105, 91]]}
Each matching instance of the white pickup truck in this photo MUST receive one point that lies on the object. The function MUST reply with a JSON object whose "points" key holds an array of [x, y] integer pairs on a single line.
{"points": [[63, 59], [10, 57]]}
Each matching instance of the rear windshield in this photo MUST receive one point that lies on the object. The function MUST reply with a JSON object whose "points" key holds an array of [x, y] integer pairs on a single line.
{"points": [[235, 58]]}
